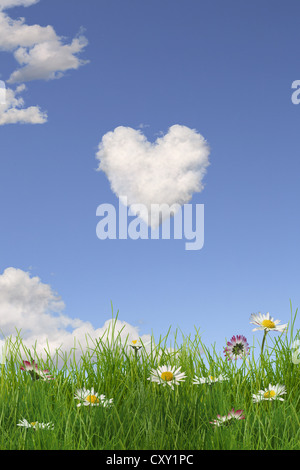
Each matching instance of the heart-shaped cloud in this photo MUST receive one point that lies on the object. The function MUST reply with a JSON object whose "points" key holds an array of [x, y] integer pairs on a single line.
{"points": [[168, 171]]}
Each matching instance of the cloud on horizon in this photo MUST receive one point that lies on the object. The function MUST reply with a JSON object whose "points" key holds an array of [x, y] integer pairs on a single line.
{"points": [[33, 309], [168, 171]]}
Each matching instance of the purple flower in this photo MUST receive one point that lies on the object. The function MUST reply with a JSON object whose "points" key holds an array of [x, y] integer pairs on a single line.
{"points": [[236, 348], [229, 419], [35, 372]]}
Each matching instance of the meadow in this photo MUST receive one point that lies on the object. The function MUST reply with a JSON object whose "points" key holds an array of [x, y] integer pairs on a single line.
{"points": [[132, 397]]}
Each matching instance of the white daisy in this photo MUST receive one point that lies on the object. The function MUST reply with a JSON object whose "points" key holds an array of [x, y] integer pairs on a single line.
{"points": [[167, 375], [136, 344], [35, 425], [271, 393], [209, 380], [267, 323], [91, 398]]}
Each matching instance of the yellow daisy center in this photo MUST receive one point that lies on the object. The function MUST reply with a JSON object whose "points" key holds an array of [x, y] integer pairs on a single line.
{"points": [[269, 394], [134, 341], [212, 377], [34, 423], [167, 376], [268, 324], [92, 399]]}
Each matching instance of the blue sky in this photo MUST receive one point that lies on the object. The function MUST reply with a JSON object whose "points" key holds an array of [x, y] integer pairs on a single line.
{"points": [[224, 69]]}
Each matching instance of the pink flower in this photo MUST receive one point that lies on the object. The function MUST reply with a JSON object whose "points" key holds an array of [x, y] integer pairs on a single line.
{"points": [[236, 348], [226, 420], [35, 372]]}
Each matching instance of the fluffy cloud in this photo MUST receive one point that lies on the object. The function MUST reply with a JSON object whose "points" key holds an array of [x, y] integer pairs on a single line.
{"points": [[33, 308], [12, 109], [39, 51], [15, 33], [48, 60], [41, 54], [168, 171], [4, 4]]}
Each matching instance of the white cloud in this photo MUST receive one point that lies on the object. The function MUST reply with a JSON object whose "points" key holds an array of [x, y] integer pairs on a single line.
{"points": [[40, 52], [47, 60], [12, 110], [15, 33], [4, 4], [31, 306], [168, 171]]}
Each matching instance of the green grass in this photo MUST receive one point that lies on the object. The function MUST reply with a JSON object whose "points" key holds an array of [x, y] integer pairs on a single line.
{"points": [[149, 416]]}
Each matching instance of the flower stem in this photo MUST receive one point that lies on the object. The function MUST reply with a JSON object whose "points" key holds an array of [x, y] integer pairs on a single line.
{"points": [[262, 348], [263, 342]]}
